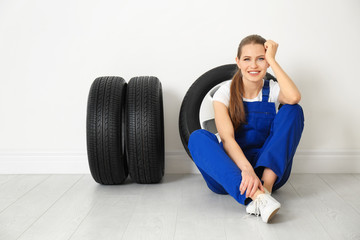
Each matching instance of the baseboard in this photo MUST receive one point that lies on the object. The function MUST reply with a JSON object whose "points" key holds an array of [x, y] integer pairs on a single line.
{"points": [[305, 161], [44, 163], [327, 161]]}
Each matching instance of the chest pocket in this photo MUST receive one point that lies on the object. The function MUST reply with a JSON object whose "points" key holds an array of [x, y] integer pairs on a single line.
{"points": [[259, 117], [255, 132]]}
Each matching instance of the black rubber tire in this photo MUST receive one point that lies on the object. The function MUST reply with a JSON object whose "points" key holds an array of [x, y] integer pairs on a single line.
{"points": [[104, 130], [189, 112], [145, 129]]}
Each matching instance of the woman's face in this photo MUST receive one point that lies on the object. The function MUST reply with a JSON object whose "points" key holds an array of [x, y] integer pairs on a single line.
{"points": [[252, 62]]}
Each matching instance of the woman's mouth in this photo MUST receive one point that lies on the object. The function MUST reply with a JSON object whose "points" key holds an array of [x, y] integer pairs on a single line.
{"points": [[254, 73]]}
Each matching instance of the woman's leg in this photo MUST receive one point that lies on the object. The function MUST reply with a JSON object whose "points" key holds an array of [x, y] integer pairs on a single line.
{"points": [[269, 178], [279, 149], [219, 171], [212, 184]]}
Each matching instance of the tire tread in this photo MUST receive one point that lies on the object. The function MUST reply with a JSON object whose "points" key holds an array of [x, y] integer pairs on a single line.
{"points": [[106, 157], [145, 145]]}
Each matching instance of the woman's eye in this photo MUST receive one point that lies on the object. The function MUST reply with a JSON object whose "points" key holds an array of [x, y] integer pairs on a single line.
{"points": [[261, 59], [246, 59]]}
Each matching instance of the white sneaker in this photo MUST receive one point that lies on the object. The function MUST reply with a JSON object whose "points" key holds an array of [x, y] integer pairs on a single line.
{"points": [[251, 208], [264, 205]]}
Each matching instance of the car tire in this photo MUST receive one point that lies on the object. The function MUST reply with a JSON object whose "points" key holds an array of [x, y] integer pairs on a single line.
{"points": [[104, 130], [145, 130]]}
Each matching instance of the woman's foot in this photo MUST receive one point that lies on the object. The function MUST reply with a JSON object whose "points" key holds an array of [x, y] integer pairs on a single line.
{"points": [[250, 208], [263, 205], [267, 191]]}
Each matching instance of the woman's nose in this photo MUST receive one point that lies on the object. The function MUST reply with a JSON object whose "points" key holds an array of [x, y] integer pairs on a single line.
{"points": [[253, 64]]}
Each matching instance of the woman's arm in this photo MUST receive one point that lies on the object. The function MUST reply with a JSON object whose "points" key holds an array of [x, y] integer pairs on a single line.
{"points": [[226, 131], [289, 93]]}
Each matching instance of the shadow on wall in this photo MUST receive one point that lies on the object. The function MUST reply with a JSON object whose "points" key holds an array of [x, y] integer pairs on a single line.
{"points": [[172, 102]]}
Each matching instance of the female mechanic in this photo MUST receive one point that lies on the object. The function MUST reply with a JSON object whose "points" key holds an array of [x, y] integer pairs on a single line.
{"points": [[258, 141]]}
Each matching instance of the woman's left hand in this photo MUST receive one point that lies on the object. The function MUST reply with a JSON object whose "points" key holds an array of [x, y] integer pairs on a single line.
{"points": [[270, 48]]}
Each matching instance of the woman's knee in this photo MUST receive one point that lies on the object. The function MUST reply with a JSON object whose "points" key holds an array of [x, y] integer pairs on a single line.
{"points": [[291, 112], [201, 135], [291, 108]]}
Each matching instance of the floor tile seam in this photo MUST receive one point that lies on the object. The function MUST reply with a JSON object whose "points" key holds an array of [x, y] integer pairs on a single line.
{"points": [[78, 226], [12, 177], [25, 193], [57, 200], [139, 197], [339, 195], [91, 209], [318, 175], [177, 209], [355, 177], [311, 212], [223, 215]]}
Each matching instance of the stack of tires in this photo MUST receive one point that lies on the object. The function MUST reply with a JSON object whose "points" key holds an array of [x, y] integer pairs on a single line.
{"points": [[125, 130]]}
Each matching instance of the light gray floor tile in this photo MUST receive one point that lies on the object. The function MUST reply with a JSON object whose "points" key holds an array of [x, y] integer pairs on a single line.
{"points": [[63, 218], [16, 187], [337, 217], [346, 186], [74, 207], [20, 215], [5, 178]]}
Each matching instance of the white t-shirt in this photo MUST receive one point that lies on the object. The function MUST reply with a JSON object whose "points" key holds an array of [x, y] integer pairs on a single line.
{"points": [[223, 94]]}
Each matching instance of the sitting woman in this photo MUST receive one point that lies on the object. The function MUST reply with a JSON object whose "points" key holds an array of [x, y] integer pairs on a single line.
{"points": [[258, 143]]}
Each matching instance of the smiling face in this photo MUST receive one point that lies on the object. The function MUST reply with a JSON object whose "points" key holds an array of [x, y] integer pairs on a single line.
{"points": [[252, 62]]}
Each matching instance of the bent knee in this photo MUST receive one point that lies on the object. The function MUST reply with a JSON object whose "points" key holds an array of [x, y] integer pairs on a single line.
{"points": [[200, 135], [291, 107], [292, 110]]}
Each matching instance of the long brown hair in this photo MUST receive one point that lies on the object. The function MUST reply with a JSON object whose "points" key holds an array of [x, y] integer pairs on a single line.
{"points": [[236, 105]]}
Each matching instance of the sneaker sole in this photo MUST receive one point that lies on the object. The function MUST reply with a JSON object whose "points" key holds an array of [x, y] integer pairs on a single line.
{"points": [[272, 215]]}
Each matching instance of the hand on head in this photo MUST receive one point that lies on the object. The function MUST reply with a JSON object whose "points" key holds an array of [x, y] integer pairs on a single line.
{"points": [[270, 48]]}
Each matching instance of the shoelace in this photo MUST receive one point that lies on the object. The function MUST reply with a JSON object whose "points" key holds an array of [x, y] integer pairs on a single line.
{"points": [[259, 202]]}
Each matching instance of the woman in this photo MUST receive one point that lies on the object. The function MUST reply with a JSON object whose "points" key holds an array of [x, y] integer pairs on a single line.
{"points": [[258, 143]]}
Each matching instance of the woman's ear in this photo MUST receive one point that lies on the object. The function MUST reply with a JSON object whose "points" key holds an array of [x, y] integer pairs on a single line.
{"points": [[237, 62]]}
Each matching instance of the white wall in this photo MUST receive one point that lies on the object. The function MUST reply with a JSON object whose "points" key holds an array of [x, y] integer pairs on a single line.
{"points": [[51, 51]]}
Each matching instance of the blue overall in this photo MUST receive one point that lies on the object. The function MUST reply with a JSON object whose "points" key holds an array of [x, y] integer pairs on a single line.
{"points": [[268, 140]]}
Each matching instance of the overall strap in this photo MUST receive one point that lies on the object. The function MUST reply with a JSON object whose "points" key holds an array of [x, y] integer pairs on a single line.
{"points": [[265, 91]]}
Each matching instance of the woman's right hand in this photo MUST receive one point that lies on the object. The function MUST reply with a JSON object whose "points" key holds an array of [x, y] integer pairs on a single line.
{"points": [[250, 183]]}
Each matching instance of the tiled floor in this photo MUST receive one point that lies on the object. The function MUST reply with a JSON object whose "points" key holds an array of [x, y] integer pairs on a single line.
{"points": [[46, 207]]}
